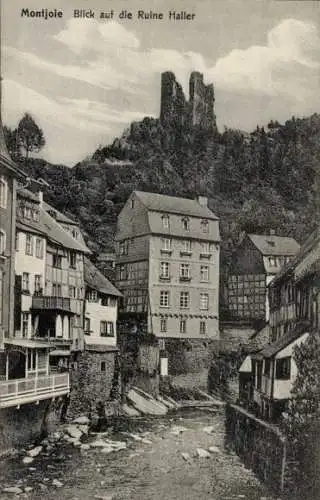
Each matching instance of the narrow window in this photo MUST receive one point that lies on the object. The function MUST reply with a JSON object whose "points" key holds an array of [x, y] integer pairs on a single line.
{"points": [[183, 326], [29, 241], [163, 325], [203, 328], [3, 193]]}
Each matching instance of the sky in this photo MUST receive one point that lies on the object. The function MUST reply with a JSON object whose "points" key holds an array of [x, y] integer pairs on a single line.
{"points": [[85, 80]]}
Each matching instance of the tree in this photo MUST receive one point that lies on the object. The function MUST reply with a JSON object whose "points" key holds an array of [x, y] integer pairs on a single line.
{"points": [[302, 422], [29, 135], [12, 143]]}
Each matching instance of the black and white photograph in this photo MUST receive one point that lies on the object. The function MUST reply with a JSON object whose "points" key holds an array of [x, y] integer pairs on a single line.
{"points": [[160, 250]]}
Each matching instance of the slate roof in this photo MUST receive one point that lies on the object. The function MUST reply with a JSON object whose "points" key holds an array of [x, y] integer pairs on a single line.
{"points": [[174, 205], [48, 226], [96, 280], [60, 217], [272, 349], [274, 245], [309, 246], [60, 236]]}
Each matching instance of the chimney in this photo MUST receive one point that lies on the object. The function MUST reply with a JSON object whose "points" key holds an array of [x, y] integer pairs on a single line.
{"points": [[202, 200], [40, 196]]}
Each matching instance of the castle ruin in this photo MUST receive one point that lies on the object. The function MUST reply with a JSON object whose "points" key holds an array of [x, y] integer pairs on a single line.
{"points": [[177, 111]]}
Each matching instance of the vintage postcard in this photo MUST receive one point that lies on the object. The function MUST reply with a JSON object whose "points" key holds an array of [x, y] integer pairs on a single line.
{"points": [[160, 249]]}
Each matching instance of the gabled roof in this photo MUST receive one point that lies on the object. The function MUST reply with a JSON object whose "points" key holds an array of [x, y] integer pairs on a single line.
{"points": [[174, 205], [309, 248], [96, 280], [49, 226], [272, 349], [60, 217], [60, 236], [274, 245]]}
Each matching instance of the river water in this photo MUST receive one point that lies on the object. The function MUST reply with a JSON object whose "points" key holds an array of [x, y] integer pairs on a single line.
{"points": [[160, 462]]}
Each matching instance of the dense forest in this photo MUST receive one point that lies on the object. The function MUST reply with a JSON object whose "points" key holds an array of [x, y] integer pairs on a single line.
{"points": [[256, 181]]}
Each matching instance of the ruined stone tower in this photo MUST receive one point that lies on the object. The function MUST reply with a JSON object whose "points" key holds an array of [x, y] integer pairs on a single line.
{"points": [[176, 110]]}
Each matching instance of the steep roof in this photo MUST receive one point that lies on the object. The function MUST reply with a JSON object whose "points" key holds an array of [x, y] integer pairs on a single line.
{"points": [[274, 245], [96, 280], [60, 217], [172, 204], [272, 349], [309, 252], [60, 236]]}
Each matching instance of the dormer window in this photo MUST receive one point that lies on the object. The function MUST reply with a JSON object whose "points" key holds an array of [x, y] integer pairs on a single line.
{"points": [[2, 242], [186, 224], [204, 226], [3, 193], [27, 212], [165, 221], [35, 215]]}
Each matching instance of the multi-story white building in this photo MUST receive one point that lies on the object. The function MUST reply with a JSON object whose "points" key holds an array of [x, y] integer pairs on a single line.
{"points": [[168, 265]]}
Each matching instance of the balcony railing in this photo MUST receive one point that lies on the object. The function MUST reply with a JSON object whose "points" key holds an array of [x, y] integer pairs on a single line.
{"points": [[43, 303], [23, 391]]}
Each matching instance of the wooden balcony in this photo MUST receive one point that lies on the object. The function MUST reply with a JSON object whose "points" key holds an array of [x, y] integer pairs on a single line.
{"points": [[23, 391], [48, 303]]}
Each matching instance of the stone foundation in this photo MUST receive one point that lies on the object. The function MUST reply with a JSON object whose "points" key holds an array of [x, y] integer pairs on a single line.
{"points": [[95, 380], [188, 362], [19, 427]]}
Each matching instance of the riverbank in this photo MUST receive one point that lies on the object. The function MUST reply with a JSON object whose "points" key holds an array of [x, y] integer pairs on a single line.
{"points": [[180, 456]]}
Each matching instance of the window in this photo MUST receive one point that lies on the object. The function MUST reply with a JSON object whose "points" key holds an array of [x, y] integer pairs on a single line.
{"points": [[35, 215], [103, 366], [272, 261], [186, 224], [166, 244], [183, 326], [204, 273], [16, 244], [203, 328], [3, 193], [164, 270], [123, 272], [29, 241], [124, 247], [72, 292], [205, 248], [32, 359], [25, 325], [3, 239], [56, 289], [163, 325], [204, 301], [132, 203], [72, 258], [184, 299], [164, 298], [92, 296], [27, 212], [106, 329], [204, 226], [283, 368], [267, 367], [39, 248], [185, 271], [25, 282], [57, 261], [187, 246], [37, 283], [165, 221], [87, 326]]}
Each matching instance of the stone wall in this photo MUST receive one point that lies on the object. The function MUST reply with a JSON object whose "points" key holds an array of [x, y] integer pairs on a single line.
{"points": [[188, 362], [260, 445], [94, 379], [19, 427], [235, 334]]}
